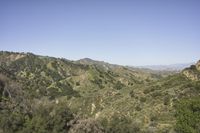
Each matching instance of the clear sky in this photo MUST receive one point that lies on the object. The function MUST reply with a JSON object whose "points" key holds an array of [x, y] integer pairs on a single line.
{"points": [[128, 32]]}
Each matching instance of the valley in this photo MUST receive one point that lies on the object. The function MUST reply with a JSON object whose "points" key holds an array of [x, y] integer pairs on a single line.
{"points": [[46, 94]]}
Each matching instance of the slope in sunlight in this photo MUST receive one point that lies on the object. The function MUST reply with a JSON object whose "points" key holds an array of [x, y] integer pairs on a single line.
{"points": [[93, 96]]}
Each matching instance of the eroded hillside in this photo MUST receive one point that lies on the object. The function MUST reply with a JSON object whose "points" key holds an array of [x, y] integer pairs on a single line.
{"points": [[96, 95]]}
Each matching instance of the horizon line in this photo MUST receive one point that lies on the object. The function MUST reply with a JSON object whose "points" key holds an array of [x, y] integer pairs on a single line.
{"points": [[62, 57]]}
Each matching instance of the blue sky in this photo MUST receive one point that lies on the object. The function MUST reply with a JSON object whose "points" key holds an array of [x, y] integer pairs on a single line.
{"points": [[127, 32]]}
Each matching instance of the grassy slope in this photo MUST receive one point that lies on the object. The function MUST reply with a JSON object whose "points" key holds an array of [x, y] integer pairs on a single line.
{"points": [[93, 91]]}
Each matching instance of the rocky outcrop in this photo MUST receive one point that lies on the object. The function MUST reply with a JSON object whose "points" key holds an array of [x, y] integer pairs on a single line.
{"points": [[193, 72], [198, 65], [191, 75]]}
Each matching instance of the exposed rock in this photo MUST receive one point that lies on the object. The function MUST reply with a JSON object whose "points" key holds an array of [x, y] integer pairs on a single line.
{"points": [[97, 115], [193, 72], [191, 75], [198, 65], [93, 108]]}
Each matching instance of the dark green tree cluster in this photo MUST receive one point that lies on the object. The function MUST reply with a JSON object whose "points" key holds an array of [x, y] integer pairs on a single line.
{"points": [[118, 85], [43, 119], [188, 115]]}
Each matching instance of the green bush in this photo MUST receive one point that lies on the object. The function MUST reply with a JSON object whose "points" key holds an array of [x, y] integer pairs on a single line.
{"points": [[44, 119], [11, 122], [143, 99], [166, 100], [118, 85], [120, 124], [188, 116]]}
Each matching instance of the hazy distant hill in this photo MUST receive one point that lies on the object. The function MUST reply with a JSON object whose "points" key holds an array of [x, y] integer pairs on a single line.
{"points": [[173, 67], [40, 94]]}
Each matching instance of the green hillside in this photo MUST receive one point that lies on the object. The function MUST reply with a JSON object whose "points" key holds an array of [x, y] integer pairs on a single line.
{"points": [[41, 94]]}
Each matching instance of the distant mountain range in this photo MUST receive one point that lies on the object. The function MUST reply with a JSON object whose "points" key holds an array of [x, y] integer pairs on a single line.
{"points": [[172, 67]]}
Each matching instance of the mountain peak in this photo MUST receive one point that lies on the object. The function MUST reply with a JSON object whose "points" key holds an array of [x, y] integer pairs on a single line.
{"points": [[86, 59]]}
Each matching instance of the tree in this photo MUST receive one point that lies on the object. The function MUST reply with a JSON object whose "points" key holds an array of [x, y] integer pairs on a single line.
{"points": [[188, 116]]}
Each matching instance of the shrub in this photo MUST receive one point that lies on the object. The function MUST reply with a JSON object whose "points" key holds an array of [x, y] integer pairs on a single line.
{"points": [[166, 100], [143, 99], [118, 85], [188, 115], [43, 119], [86, 126], [121, 124], [132, 94], [77, 83], [49, 119]]}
